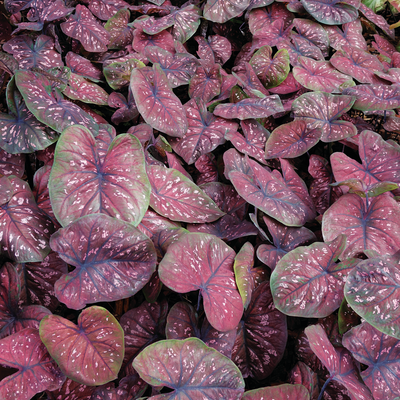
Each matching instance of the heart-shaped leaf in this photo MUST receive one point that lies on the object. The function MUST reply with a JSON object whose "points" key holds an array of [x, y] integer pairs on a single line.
{"points": [[82, 183], [381, 353], [118, 73], [90, 352], [308, 283], [12, 164], [332, 12], [280, 392], [156, 102], [212, 274], [372, 290], [113, 260], [28, 229], [206, 83], [352, 35], [176, 197], [299, 46], [82, 66], [208, 373], [373, 226], [83, 26], [320, 75], [313, 32], [261, 337], [37, 371], [105, 9], [322, 110], [121, 34], [223, 10]]}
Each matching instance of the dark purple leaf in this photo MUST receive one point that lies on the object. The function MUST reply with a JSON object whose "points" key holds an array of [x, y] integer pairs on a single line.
{"points": [[56, 113], [322, 110], [131, 387], [223, 10], [91, 352], [270, 195], [14, 6], [105, 9], [289, 85], [374, 226], [118, 73], [357, 63], [200, 261], [320, 76], [120, 33], [182, 323], [156, 102], [127, 110], [8, 63], [83, 26], [313, 32], [37, 280], [80, 185], [375, 97], [142, 326], [332, 12], [37, 371], [303, 375], [280, 392], [285, 239], [175, 163], [261, 18], [204, 134], [272, 71], [339, 363], [381, 353], [12, 164], [253, 142], [72, 390], [372, 290], [209, 374], [250, 108], [29, 55], [206, 83], [321, 192], [207, 166], [82, 66], [292, 140], [88, 92], [380, 161], [176, 197], [248, 80], [308, 283], [152, 223], [141, 40], [27, 229], [221, 47], [261, 337], [351, 35], [113, 260], [179, 68]]}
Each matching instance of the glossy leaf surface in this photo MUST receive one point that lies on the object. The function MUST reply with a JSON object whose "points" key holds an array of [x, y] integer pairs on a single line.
{"points": [[83, 183], [223, 10], [90, 352], [113, 260], [200, 261]]}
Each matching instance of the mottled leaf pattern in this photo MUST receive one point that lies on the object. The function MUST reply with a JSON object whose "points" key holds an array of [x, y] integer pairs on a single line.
{"points": [[223, 10]]}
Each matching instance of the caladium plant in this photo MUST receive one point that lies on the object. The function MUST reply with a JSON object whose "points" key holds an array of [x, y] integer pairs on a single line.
{"points": [[186, 187]]}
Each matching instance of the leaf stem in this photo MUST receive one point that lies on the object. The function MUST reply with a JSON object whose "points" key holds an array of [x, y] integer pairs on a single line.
{"points": [[327, 382]]}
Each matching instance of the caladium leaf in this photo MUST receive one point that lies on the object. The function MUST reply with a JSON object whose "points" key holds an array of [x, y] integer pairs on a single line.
{"points": [[261, 336], [212, 274], [272, 34], [209, 374], [82, 183], [80, 89], [91, 352], [82, 66], [339, 363], [270, 195], [163, 39], [272, 71], [224, 10], [332, 12], [322, 110], [127, 109], [313, 32], [156, 102], [359, 187], [182, 323], [25, 230], [260, 18], [206, 83], [285, 239], [375, 97], [221, 47], [357, 63], [121, 264], [37, 371], [351, 35], [179, 67], [205, 133], [250, 108], [298, 46], [292, 140], [307, 282], [378, 20], [380, 161], [248, 80], [372, 226], [289, 85], [320, 75], [118, 73], [33, 55], [83, 26], [106, 9], [371, 290], [381, 353], [280, 392], [56, 113], [12, 164], [176, 197], [121, 34]]}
